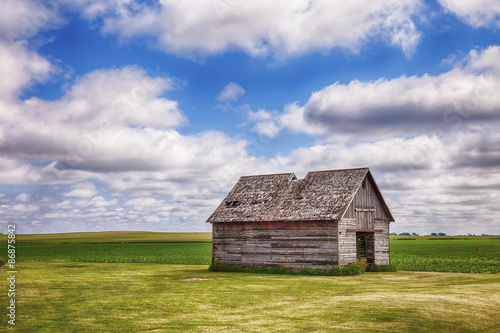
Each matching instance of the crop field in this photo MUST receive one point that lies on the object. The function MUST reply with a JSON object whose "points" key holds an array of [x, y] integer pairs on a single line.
{"points": [[447, 254], [163, 253], [436, 254]]}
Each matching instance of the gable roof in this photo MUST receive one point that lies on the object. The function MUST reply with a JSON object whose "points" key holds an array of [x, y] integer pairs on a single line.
{"points": [[321, 195]]}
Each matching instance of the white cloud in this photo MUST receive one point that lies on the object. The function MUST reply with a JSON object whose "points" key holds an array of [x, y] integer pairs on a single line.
{"points": [[264, 123], [259, 115], [21, 20], [4, 198], [24, 209], [92, 9], [23, 197], [82, 190], [230, 93], [20, 68], [282, 28], [125, 96], [267, 128], [102, 116], [95, 202], [402, 106], [13, 171], [476, 148], [66, 204], [478, 13], [145, 202], [152, 219], [395, 155]]}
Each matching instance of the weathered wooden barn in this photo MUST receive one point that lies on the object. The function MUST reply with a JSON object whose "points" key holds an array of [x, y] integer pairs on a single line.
{"points": [[329, 218]]}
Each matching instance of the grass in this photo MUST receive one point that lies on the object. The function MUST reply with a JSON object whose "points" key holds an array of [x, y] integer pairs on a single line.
{"points": [[118, 237], [118, 282], [104, 297], [354, 268]]}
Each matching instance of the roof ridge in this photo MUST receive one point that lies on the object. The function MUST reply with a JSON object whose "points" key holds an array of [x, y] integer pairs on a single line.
{"points": [[270, 174], [292, 173], [337, 170], [347, 169]]}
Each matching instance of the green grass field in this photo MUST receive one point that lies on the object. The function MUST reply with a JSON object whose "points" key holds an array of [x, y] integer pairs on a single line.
{"points": [[122, 297], [141, 282]]}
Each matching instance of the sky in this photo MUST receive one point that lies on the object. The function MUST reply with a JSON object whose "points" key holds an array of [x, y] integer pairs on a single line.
{"points": [[142, 115]]}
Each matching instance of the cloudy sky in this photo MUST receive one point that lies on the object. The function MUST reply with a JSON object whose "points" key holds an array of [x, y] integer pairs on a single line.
{"points": [[141, 115]]}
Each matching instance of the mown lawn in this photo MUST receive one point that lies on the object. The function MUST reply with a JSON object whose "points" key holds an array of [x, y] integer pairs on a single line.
{"points": [[120, 297]]}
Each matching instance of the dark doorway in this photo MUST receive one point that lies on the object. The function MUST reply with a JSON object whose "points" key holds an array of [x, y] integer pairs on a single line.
{"points": [[365, 242]]}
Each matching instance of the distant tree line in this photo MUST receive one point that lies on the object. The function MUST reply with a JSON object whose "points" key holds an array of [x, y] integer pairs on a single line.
{"points": [[415, 234], [432, 234]]}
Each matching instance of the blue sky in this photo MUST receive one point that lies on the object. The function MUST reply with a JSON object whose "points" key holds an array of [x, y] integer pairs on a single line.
{"points": [[141, 115]]}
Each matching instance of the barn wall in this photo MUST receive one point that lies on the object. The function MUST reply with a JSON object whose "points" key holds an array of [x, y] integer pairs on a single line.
{"points": [[382, 251], [347, 241], [366, 207], [290, 244], [365, 213]]}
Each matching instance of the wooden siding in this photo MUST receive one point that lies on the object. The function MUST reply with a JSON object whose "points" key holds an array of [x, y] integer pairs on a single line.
{"points": [[347, 241], [366, 207], [290, 244], [364, 213], [382, 250]]}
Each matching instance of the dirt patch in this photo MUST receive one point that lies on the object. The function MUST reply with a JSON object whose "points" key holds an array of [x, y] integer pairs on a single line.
{"points": [[203, 279]]}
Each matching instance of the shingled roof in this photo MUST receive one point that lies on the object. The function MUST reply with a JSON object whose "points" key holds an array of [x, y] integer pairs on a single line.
{"points": [[321, 195]]}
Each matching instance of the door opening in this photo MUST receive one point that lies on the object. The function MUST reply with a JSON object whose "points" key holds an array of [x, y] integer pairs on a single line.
{"points": [[365, 242]]}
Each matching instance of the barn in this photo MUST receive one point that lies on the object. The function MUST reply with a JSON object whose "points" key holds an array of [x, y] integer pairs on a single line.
{"points": [[328, 219]]}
